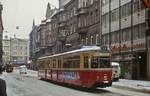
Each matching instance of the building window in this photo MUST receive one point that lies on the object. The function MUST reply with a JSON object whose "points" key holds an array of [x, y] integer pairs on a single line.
{"points": [[112, 37], [86, 41], [135, 32], [124, 35], [142, 30], [104, 2], [49, 27], [97, 38], [115, 14], [82, 41], [136, 5], [105, 39], [129, 34], [126, 10], [92, 40], [105, 19]]}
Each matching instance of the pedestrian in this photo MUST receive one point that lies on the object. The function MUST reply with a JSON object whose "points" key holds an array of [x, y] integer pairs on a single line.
{"points": [[2, 85]]}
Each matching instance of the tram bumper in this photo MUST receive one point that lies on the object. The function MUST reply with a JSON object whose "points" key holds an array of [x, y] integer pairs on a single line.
{"points": [[103, 84]]}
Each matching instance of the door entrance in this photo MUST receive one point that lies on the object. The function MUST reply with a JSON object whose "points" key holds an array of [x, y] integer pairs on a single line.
{"points": [[142, 60]]}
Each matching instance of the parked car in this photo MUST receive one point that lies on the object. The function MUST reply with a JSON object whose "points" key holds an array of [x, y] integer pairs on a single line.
{"points": [[115, 70], [23, 69]]}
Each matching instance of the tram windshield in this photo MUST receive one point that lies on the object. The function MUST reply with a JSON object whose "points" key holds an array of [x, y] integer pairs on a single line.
{"points": [[98, 62], [105, 63]]}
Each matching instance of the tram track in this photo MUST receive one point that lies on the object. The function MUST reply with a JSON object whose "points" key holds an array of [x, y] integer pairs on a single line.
{"points": [[97, 91]]}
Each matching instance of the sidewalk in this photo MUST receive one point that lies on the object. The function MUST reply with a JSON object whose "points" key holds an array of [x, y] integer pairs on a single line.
{"points": [[133, 85]]}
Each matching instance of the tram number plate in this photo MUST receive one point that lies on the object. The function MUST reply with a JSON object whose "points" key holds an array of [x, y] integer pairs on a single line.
{"points": [[105, 81]]}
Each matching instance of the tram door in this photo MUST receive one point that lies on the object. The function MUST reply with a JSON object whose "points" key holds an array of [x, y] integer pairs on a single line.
{"points": [[142, 59]]}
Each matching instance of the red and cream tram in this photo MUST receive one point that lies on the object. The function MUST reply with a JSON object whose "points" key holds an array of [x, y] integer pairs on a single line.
{"points": [[86, 67]]}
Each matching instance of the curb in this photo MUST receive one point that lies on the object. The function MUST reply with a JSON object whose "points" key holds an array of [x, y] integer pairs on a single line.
{"points": [[131, 89]]}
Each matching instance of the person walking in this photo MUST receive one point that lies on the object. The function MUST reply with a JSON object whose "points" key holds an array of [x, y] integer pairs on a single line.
{"points": [[2, 85]]}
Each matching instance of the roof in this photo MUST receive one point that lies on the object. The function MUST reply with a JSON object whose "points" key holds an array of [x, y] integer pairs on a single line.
{"points": [[83, 49]]}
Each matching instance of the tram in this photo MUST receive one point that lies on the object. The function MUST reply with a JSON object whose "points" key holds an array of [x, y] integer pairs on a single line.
{"points": [[87, 67]]}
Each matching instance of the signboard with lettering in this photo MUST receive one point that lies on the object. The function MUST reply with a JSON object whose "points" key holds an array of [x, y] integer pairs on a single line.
{"points": [[125, 47]]}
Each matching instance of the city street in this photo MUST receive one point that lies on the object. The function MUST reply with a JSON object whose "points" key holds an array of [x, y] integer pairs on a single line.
{"points": [[31, 86]]}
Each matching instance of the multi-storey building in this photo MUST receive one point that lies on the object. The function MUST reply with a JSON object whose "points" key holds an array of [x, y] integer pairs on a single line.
{"points": [[6, 50], [33, 45], [33, 41], [72, 36], [89, 21], [46, 37], [1, 33], [65, 27], [19, 51], [124, 30], [15, 51]]}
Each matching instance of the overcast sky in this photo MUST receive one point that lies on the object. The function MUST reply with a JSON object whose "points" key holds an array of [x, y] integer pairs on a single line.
{"points": [[21, 13]]}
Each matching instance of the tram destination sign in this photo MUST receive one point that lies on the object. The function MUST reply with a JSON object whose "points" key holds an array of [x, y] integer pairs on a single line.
{"points": [[102, 54]]}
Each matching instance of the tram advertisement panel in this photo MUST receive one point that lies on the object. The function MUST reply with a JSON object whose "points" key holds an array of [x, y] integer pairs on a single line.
{"points": [[69, 75]]}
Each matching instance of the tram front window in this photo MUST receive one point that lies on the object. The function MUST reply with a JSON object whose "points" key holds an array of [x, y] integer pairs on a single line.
{"points": [[105, 63], [97, 62]]}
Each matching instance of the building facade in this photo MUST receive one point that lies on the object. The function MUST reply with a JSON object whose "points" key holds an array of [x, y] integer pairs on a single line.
{"points": [[89, 22], [6, 50], [19, 51], [41, 38], [1, 33], [124, 30], [33, 45]]}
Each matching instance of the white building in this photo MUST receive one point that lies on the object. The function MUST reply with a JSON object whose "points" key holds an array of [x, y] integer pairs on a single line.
{"points": [[16, 51], [6, 50]]}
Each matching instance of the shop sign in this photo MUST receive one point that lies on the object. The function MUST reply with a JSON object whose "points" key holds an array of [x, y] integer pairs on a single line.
{"points": [[126, 47], [147, 3], [123, 47]]}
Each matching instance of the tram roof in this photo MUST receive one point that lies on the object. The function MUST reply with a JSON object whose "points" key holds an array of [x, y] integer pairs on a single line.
{"points": [[83, 49]]}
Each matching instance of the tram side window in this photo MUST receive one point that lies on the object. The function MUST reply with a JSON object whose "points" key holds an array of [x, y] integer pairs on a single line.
{"points": [[50, 64], [47, 64], [54, 64], [41, 65], [59, 63], [71, 62], [94, 62], [86, 62]]}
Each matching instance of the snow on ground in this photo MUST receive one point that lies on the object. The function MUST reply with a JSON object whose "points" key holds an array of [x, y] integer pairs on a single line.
{"points": [[31, 86], [136, 84], [32, 73], [29, 73], [2, 76]]}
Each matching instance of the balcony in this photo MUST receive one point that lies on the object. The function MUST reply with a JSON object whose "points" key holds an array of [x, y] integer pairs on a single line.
{"points": [[82, 30], [82, 10]]}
